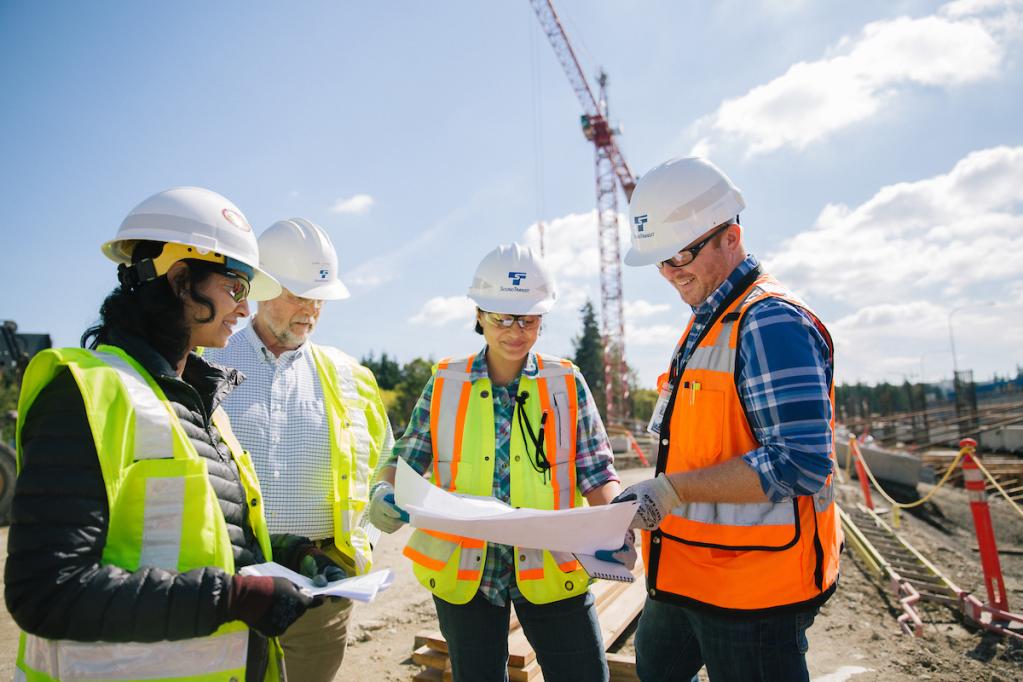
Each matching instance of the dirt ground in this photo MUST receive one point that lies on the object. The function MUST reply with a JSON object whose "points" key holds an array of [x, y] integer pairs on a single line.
{"points": [[856, 636]]}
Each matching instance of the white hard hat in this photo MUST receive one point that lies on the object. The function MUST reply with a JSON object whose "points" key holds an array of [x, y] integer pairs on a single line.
{"points": [[675, 203], [512, 280], [198, 218], [299, 253]]}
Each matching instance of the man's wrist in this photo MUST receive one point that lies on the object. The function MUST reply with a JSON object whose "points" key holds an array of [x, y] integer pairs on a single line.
{"points": [[673, 481]]}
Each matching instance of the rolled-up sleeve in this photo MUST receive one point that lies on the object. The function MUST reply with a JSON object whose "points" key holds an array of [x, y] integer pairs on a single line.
{"points": [[784, 382]]}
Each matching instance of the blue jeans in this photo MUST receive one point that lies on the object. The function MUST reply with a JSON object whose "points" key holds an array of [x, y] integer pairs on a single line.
{"points": [[674, 642], [564, 634]]}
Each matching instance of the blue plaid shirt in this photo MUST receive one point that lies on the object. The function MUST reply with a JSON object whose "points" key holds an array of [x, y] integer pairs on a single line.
{"points": [[784, 372], [593, 459]]}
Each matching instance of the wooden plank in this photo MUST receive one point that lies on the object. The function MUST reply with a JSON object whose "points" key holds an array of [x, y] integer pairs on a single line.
{"points": [[620, 614], [424, 655], [428, 675], [432, 639], [622, 668]]}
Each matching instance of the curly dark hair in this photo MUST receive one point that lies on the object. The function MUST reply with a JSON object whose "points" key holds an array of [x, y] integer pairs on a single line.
{"points": [[151, 310]]}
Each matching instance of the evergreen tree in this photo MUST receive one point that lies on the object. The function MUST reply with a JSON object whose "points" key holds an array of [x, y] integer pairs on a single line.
{"points": [[386, 370], [589, 355], [414, 376]]}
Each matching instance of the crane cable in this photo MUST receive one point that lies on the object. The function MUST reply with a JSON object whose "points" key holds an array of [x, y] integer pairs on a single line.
{"points": [[534, 77]]}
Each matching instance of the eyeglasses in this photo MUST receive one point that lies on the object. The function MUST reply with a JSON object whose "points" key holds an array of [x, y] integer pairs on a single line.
{"points": [[527, 322], [688, 255], [238, 287]]}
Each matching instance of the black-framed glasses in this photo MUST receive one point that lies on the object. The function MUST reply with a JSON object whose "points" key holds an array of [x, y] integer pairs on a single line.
{"points": [[689, 254], [526, 322]]}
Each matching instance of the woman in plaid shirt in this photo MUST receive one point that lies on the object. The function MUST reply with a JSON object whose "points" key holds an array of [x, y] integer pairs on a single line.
{"points": [[548, 450]]}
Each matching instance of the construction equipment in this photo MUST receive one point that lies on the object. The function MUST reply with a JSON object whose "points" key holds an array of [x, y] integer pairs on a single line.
{"points": [[15, 352], [611, 171]]}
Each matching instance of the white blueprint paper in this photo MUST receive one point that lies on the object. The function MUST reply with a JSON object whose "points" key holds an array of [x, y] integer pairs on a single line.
{"points": [[582, 530], [360, 587]]}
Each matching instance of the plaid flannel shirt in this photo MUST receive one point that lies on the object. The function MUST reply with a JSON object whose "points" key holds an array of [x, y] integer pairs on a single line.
{"points": [[784, 374]]}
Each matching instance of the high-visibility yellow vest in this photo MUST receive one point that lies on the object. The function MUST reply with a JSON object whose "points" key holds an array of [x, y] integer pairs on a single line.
{"points": [[741, 557], [462, 421], [358, 428], [163, 513]]}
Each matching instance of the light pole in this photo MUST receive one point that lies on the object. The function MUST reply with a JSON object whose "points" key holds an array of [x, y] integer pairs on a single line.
{"points": [[952, 340]]}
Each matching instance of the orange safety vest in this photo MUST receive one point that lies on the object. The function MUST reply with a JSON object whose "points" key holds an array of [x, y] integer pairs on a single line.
{"points": [[737, 557]]}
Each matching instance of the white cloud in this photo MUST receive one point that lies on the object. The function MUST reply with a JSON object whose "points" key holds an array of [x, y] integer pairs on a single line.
{"points": [[570, 245], [964, 43], [442, 310], [639, 308], [899, 263], [357, 204], [662, 337]]}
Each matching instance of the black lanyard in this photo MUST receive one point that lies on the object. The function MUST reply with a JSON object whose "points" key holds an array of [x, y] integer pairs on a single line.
{"points": [[539, 459]]}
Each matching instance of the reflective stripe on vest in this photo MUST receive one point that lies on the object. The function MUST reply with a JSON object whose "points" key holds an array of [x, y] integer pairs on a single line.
{"points": [[358, 427], [160, 501], [452, 566], [736, 556], [207, 658]]}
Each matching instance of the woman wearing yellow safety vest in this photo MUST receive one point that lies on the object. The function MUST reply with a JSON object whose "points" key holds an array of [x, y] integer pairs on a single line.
{"points": [[134, 505], [521, 427]]}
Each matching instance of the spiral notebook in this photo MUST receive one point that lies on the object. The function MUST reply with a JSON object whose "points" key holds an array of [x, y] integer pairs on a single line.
{"points": [[605, 570]]}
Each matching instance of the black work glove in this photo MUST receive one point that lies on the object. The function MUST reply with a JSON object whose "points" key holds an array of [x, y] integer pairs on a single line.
{"points": [[267, 605], [301, 555], [318, 567]]}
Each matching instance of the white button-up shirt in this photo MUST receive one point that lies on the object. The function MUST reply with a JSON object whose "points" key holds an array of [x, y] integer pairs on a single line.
{"points": [[278, 415]]}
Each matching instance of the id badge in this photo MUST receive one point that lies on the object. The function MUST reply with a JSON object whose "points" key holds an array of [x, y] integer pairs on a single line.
{"points": [[663, 397]]}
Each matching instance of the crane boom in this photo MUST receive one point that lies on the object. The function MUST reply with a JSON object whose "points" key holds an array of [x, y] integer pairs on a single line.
{"points": [[611, 171]]}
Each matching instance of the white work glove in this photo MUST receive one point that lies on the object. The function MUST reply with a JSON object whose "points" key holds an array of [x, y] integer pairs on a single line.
{"points": [[626, 555], [656, 497], [383, 512]]}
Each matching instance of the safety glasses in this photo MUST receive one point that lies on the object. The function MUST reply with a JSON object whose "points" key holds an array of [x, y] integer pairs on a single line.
{"points": [[502, 321], [238, 286], [689, 254]]}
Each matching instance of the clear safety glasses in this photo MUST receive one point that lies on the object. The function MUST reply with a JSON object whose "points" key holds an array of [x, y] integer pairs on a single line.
{"points": [[502, 321]]}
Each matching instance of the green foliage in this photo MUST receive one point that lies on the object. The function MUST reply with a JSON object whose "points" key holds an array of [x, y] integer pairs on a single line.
{"points": [[9, 390], [414, 376], [589, 355], [641, 403], [859, 400], [386, 370]]}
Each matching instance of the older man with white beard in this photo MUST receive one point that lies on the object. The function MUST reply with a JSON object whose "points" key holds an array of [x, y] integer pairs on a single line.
{"points": [[312, 418]]}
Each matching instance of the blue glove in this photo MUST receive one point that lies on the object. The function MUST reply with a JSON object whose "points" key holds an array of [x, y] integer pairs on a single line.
{"points": [[626, 555], [383, 512]]}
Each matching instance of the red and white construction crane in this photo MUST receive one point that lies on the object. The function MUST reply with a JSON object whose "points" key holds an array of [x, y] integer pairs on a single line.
{"points": [[611, 171]]}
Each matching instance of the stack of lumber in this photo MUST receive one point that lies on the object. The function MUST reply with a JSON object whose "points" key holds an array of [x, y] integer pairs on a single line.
{"points": [[618, 605]]}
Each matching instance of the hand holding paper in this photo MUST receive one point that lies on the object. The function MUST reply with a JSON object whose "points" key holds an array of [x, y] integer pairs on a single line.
{"points": [[361, 588], [581, 530]]}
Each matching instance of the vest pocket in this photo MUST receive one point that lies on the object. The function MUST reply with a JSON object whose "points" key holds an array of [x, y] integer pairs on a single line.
{"points": [[696, 421]]}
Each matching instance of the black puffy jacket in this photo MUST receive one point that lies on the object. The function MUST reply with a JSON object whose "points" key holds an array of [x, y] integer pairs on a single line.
{"points": [[56, 585]]}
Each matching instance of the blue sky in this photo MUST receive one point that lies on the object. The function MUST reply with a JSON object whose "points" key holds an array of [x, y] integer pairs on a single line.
{"points": [[878, 144]]}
